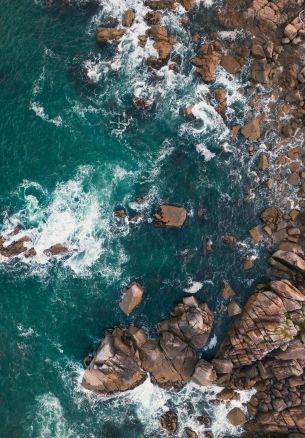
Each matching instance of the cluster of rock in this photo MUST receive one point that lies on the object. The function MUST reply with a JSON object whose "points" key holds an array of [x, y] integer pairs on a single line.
{"points": [[294, 31], [11, 247], [126, 356]]}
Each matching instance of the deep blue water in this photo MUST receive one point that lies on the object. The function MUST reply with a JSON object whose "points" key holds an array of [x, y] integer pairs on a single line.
{"points": [[72, 151]]}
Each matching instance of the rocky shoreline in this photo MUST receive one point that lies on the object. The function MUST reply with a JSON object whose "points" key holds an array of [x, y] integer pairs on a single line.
{"points": [[265, 348]]}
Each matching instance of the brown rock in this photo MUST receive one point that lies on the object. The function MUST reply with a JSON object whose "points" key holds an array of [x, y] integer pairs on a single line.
{"points": [[248, 263], [271, 215], [230, 64], [222, 366], [263, 162], [55, 250], [132, 297], [227, 291], [169, 421], [228, 394], [256, 234], [170, 216], [207, 61], [236, 417], [221, 98], [290, 31], [204, 373], [106, 35], [252, 129], [260, 70], [294, 179], [294, 153], [15, 248], [189, 433], [234, 309], [161, 4], [230, 239], [234, 131], [153, 18], [128, 18], [290, 259]]}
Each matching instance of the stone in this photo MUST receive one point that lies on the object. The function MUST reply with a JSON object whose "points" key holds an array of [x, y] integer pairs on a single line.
{"points": [[169, 216], [249, 263], [207, 61], [256, 234], [259, 71], [132, 297], [251, 130], [290, 259], [15, 248], [108, 34], [228, 394], [222, 366], [257, 51], [271, 215], [128, 18], [169, 421], [120, 214], [234, 131], [204, 373], [227, 291], [294, 179], [294, 153], [263, 163], [56, 250], [189, 433], [234, 309], [230, 64], [161, 4], [230, 239], [290, 31], [153, 18], [236, 417]]}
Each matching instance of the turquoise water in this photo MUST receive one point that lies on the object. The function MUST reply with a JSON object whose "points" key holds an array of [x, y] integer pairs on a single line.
{"points": [[74, 150]]}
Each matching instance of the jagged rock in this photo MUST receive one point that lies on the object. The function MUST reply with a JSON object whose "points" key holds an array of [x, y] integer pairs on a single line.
{"points": [[161, 4], [256, 234], [290, 31], [132, 297], [189, 433], [55, 250], [231, 64], [108, 34], [289, 259], [170, 216], [221, 97], [227, 291], [169, 421], [207, 61], [128, 18], [248, 264], [15, 248], [115, 366], [263, 163], [222, 366], [259, 71], [153, 18], [252, 129], [204, 373], [230, 239], [163, 44], [234, 309], [228, 394], [271, 215], [236, 417]]}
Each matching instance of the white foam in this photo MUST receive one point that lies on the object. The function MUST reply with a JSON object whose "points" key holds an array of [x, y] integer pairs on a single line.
{"points": [[40, 112], [202, 149], [194, 287]]}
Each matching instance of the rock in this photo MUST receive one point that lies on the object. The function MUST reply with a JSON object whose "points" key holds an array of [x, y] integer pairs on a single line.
{"points": [[128, 18], [204, 373], [132, 297], [286, 290], [191, 321], [170, 216], [230, 239], [189, 433], [256, 234], [227, 291], [120, 214], [108, 34], [294, 179], [56, 250], [115, 366], [230, 64], [169, 421], [249, 263], [290, 259], [263, 162], [252, 129], [30, 253], [188, 4], [290, 31], [207, 61], [259, 71], [257, 51], [234, 309], [188, 112], [209, 245], [234, 131], [236, 417], [163, 44], [15, 248], [221, 98], [161, 4], [271, 215], [294, 153], [222, 366], [228, 394]]}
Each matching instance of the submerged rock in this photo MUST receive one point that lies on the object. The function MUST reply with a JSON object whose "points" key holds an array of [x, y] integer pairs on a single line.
{"points": [[57, 249], [15, 248], [169, 421], [132, 297], [170, 216]]}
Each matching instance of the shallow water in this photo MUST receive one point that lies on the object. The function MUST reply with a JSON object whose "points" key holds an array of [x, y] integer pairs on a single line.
{"points": [[73, 149]]}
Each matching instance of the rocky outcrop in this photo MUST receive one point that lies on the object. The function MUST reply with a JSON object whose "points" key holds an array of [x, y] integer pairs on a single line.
{"points": [[125, 356], [108, 34], [207, 60], [132, 297], [163, 43], [128, 18], [169, 216], [56, 250]]}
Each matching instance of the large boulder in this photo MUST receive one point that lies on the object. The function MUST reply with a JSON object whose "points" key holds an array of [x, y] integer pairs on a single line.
{"points": [[251, 130], [132, 297], [108, 34], [170, 216], [207, 61], [128, 18], [204, 373], [15, 248]]}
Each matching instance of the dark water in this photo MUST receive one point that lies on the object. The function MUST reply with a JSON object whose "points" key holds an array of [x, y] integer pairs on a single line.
{"points": [[72, 151]]}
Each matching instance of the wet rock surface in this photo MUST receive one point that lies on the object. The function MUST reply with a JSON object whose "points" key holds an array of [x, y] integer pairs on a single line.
{"points": [[125, 356], [170, 216]]}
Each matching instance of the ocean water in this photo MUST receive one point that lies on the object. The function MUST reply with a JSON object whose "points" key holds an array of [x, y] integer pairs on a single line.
{"points": [[73, 149]]}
